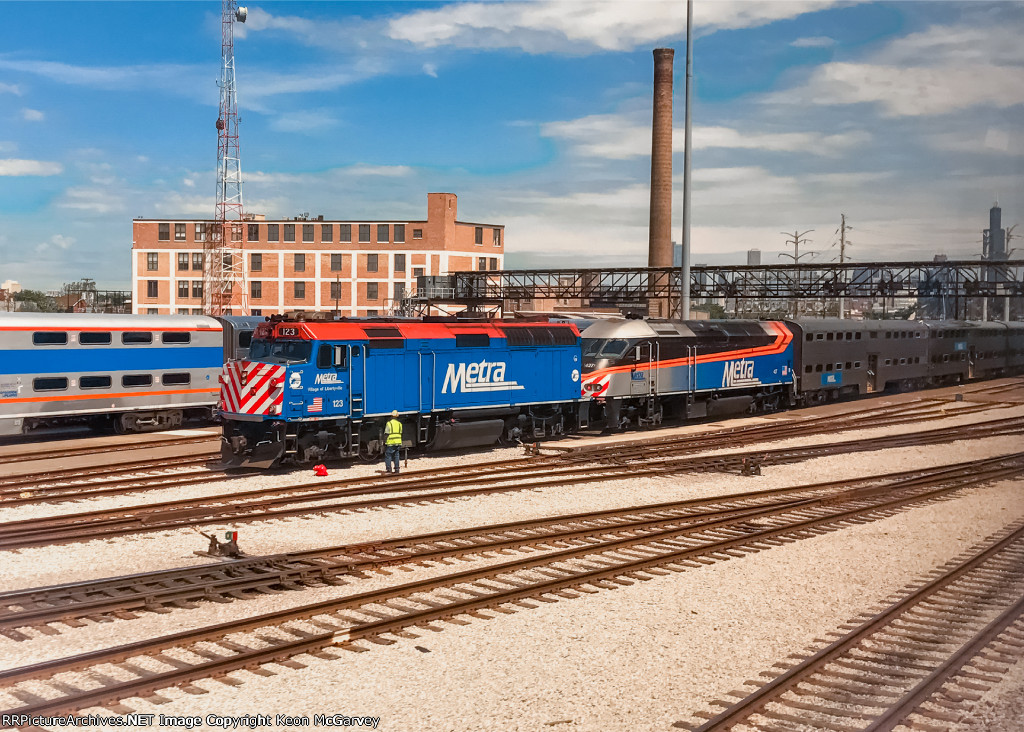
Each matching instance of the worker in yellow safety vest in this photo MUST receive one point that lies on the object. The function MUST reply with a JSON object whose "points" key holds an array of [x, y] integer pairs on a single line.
{"points": [[392, 442]]}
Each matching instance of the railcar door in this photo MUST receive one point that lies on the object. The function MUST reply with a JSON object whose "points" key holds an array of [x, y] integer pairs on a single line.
{"points": [[872, 381], [356, 378], [972, 357], [643, 381]]}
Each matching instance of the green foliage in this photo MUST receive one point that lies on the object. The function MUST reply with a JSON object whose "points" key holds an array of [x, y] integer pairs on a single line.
{"points": [[713, 309], [34, 300]]}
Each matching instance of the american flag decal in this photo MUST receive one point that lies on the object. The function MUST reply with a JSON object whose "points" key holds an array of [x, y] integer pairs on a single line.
{"points": [[317, 405]]}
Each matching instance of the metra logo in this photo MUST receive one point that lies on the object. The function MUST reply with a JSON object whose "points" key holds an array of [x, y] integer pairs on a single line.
{"points": [[483, 376], [739, 373], [330, 377]]}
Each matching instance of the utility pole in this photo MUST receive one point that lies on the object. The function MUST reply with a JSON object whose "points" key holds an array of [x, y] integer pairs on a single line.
{"points": [[798, 239], [684, 259], [842, 256]]}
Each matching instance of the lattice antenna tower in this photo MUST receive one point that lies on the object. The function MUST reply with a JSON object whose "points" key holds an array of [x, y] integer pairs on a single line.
{"points": [[224, 288]]}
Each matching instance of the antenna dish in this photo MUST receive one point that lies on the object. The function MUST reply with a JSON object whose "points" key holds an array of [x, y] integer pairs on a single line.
{"points": [[241, 13]]}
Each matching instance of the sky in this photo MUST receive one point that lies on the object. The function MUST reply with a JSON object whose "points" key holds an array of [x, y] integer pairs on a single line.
{"points": [[907, 117]]}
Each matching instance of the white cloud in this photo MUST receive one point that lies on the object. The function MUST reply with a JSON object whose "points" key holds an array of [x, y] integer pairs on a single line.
{"points": [[430, 70], [32, 115], [13, 166], [7, 146], [56, 243], [92, 200], [619, 137], [814, 42], [980, 140], [10, 89], [306, 120], [574, 26]]}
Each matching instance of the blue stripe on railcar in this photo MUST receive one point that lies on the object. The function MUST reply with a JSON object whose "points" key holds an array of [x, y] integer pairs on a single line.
{"points": [[41, 361], [746, 372]]}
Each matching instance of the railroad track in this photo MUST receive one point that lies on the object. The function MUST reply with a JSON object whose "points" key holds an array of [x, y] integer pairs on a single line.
{"points": [[178, 660], [65, 452], [423, 486], [921, 656], [419, 486], [120, 596]]}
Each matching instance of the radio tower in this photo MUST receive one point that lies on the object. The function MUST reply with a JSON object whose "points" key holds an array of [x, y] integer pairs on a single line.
{"points": [[224, 290]]}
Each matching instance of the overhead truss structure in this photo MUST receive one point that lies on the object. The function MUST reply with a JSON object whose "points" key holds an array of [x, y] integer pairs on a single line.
{"points": [[953, 285]]}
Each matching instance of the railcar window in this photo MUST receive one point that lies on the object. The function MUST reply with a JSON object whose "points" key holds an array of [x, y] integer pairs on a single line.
{"points": [[828, 336], [136, 336], [839, 367], [849, 336], [472, 340], [903, 361], [176, 337], [847, 365], [244, 338], [808, 368], [49, 338], [281, 351], [856, 336], [874, 334], [178, 379], [94, 382], [856, 364], [819, 336], [90, 338], [50, 384], [888, 362], [817, 368], [888, 334], [828, 367], [137, 380], [809, 337]]}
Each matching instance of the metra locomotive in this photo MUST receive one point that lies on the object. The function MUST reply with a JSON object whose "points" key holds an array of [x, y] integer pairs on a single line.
{"points": [[311, 390], [132, 373], [315, 389]]}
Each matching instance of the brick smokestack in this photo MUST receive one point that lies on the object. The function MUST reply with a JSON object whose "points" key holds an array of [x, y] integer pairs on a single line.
{"points": [[659, 253]]}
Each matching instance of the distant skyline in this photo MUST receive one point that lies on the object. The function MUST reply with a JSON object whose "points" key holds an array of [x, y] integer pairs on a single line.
{"points": [[905, 116]]}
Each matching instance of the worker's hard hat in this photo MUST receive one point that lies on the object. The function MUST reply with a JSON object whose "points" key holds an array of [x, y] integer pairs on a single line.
{"points": [[394, 412]]}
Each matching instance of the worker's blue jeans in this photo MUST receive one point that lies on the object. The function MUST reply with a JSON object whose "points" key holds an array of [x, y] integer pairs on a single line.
{"points": [[391, 453]]}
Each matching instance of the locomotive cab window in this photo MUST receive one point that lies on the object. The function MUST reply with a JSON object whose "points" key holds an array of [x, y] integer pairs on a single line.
{"points": [[135, 336], [50, 384], [49, 338], [137, 380], [90, 338], [176, 337], [94, 382], [614, 347], [281, 351], [328, 356]]}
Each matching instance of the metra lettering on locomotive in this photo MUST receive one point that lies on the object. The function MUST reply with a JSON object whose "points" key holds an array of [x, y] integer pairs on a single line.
{"points": [[312, 390]]}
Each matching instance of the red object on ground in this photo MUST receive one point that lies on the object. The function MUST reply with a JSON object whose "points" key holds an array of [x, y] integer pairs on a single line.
{"points": [[320, 470]]}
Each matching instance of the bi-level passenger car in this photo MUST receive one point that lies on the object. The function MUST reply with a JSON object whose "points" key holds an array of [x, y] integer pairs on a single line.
{"points": [[311, 389]]}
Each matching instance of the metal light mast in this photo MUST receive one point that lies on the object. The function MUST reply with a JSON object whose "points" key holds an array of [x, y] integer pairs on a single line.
{"points": [[224, 290]]}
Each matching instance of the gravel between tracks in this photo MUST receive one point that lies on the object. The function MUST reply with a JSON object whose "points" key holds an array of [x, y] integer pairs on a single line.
{"points": [[640, 657]]}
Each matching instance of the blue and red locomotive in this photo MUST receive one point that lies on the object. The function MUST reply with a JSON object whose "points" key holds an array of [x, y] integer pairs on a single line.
{"points": [[316, 389]]}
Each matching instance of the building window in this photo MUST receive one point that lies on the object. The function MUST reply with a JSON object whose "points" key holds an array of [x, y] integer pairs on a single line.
{"points": [[152, 288], [255, 262], [197, 262], [152, 261], [336, 262], [497, 237], [335, 290], [163, 232], [417, 271], [256, 290], [197, 311], [227, 262], [184, 311], [183, 260], [253, 232], [345, 232], [383, 233], [400, 233], [152, 311], [200, 232], [481, 263], [183, 289], [399, 262], [364, 233], [417, 233], [197, 288], [273, 232], [307, 232], [371, 262], [478, 236], [399, 290], [494, 263], [326, 232], [299, 290], [372, 313], [371, 290], [257, 311], [236, 232], [179, 232], [289, 232], [300, 262]]}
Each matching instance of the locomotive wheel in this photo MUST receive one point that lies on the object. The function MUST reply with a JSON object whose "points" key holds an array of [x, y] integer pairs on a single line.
{"points": [[368, 455]]}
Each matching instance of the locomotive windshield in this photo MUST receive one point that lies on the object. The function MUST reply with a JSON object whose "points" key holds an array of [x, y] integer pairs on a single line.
{"points": [[606, 347], [281, 351]]}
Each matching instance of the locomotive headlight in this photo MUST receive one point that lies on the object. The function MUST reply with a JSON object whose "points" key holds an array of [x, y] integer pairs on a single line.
{"points": [[274, 409]]}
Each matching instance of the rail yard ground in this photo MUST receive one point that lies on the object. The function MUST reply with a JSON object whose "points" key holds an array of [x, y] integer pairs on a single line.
{"points": [[651, 648]]}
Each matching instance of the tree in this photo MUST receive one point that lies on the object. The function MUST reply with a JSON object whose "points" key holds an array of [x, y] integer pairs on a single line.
{"points": [[713, 309], [34, 300]]}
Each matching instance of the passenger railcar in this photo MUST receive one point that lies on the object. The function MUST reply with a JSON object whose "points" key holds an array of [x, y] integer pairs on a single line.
{"points": [[133, 373], [310, 390], [238, 330]]}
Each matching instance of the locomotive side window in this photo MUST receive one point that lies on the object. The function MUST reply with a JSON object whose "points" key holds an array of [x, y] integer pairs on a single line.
{"points": [[94, 382], [94, 339], [137, 380], [340, 357], [49, 338], [50, 384], [323, 356], [176, 337], [136, 336], [472, 340], [178, 379]]}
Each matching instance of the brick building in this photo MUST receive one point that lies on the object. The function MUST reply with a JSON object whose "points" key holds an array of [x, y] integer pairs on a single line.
{"points": [[360, 268]]}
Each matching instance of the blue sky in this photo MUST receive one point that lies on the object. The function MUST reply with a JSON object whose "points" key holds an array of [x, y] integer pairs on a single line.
{"points": [[905, 116]]}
